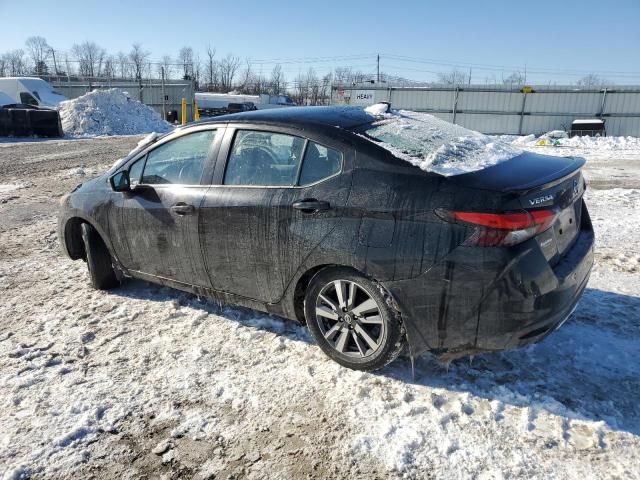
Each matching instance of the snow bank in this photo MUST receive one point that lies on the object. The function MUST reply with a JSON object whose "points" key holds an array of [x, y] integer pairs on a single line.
{"points": [[435, 145], [109, 112], [7, 190], [558, 138]]}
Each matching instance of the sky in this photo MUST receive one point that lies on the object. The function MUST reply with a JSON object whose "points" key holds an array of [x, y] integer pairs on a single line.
{"points": [[555, 41]]}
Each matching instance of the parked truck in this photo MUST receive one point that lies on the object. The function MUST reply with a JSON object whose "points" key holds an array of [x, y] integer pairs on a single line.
{"points": [[27, 108], [213, 104], [31, 91]]}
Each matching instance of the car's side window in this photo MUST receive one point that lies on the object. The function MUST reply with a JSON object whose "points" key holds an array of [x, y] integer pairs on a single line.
{"points": [[27, 99], [180, 161], [263, 158], [135, 171], [319, 162]]}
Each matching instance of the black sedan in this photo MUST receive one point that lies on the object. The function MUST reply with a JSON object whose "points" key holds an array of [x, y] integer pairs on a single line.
{"points": [[322, 215]]}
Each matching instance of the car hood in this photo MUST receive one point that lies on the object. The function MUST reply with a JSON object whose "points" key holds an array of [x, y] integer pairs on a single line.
{"points": [[92, 185]]}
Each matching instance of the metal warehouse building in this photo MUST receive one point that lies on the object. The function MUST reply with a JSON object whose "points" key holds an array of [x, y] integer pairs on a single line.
{"points": [[504, 110], [148, 92]]}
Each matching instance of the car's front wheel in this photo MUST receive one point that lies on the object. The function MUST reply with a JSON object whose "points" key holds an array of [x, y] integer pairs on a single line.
{"points": [[99, 262], [353, 320]]}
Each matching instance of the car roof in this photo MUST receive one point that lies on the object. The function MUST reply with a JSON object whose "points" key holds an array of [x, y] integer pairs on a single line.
{"points": [[345, 117]]}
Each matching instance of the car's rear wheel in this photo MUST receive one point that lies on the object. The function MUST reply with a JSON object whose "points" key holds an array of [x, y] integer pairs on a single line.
{"points": [[99, 262], [353, 319]]}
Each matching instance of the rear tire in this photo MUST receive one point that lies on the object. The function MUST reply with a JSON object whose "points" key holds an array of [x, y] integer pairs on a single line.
{"points": [[101, 272], [353, 319]]}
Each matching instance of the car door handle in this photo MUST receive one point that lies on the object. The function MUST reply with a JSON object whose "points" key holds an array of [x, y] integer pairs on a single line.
{"points": [[182, 209], [311, 205]]}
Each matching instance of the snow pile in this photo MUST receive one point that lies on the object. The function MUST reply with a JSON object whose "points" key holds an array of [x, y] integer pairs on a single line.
{"points": [[559, 139], [109, 112], [377, 109], [7, 189], [435, 145]]}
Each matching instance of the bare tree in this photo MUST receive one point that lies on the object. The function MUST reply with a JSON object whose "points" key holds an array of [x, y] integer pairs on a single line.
{"points": [[109, 66], [313, 87], [300, 89], [3, 65], [211, 68], [122, 61], [277, 82], [343, 76], [593, 80], [39, 51], [246, 78], [90, 58], [185, 57], [68, 65], [259, 84], [167, 63], [15, 63], [325, 89], [454, 77], [138, 58], [515, 79], [197, 69], [228, 68]]}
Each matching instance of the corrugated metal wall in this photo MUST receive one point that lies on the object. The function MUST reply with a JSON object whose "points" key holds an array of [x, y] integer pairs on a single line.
{"points": [[497, 110], [150, 93]]}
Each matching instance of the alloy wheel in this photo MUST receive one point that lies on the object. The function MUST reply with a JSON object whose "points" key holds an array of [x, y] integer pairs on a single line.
{"points": [[350, 319]]}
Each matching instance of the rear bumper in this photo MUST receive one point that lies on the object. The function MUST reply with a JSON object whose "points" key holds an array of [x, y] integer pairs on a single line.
{"points": [[540, 313], [490, 299]]}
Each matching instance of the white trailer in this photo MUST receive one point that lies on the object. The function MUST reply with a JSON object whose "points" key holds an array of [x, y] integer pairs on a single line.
{"points": [[30, 91], [221, 101]]}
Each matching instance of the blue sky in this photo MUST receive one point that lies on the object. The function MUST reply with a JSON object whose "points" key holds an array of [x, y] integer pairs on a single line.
{"points": [[556, 40]]}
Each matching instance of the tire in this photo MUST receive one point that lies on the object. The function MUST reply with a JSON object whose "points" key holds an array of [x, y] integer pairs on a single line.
{"points": [[362, 330], [99, 262]]}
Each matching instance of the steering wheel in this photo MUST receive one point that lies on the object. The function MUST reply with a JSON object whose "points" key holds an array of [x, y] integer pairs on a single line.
{"points": [[259, 155]]}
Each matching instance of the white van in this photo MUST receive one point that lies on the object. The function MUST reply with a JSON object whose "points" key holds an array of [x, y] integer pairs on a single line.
{"points": [[31, 91]]}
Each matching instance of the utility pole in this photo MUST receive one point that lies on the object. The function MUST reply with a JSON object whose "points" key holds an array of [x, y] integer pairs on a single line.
{"points": [[378, 77], [164, 107], [469, 75], [55, 65]]}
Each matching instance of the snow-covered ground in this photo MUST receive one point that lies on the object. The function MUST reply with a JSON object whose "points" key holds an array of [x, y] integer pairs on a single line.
{"points": [[146, 381]]}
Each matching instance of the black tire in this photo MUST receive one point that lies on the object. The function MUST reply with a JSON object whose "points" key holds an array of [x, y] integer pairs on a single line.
{"points": [[99, 262], [342, 338]]}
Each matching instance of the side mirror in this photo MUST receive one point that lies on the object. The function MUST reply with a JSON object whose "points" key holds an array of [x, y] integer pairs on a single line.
{"points": [[120, 181]]}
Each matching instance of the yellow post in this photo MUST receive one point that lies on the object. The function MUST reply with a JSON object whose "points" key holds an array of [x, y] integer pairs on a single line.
{"points": [[184, 111], [196, 113]]}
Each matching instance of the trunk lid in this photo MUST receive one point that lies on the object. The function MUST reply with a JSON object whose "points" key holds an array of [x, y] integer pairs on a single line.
{"points": [[533, 182], [525, 172]]}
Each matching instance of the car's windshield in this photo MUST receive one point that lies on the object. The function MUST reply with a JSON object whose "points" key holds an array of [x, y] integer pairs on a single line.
{"points": [[434, 144]]}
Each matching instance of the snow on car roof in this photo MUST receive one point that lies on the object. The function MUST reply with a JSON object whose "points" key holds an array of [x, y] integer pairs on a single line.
{"points": [[433, 144]]}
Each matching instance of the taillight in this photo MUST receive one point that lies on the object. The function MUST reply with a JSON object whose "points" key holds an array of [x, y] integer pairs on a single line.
{"points": [[501, 229]]}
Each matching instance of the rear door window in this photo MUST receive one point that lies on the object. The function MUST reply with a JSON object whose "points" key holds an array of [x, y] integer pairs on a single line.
{"points": [[179, 161], [320, 162], [263, 159]]}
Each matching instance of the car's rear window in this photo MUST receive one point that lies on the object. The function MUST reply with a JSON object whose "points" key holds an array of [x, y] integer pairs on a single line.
{"points": [[434, 144]]}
